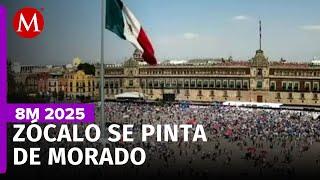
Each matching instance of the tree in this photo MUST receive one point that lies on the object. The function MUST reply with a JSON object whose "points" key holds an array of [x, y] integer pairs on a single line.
{"points": [[60, 95], [16, 92], [54, 95], [87, 68], [11, 82]]}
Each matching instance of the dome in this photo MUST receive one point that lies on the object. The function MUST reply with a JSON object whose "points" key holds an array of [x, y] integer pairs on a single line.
{"points": [[131, 63]]}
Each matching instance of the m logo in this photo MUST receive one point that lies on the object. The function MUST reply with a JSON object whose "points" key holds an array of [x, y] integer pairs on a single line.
{"points": [[28, 22]]}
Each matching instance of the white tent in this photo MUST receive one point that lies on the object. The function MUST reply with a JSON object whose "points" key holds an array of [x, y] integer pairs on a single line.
{"points": [[130, 95], [251, 104]]}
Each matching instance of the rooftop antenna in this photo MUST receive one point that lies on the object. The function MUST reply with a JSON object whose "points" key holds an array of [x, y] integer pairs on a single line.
{"points": [[260, 34]]}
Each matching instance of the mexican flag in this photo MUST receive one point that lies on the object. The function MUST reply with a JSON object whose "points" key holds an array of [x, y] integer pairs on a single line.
{"points": [[121, 21]]}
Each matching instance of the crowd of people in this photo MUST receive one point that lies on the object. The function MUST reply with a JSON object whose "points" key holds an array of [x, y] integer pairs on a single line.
{"points": [[262, 140]]}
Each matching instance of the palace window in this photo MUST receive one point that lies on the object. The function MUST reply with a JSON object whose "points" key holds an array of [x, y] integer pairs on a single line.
{"points": [[162, 83], [290, 86], [259, 72], [278, 96], [225, 84], [193, 84], [199, 84], [212, 93], [174, 83], [315, 86], [167, 83], [199, 93], [307, 86], [212, 84], [315, 96], [186, 84], [259, 84], [284, 86], [143, 83], [205, 84], [187, 93], [231, 84], [179, 83], [130, 84], [225, 94], [238, 84], [245, 85], [218, 84], [272, 86], [150, 85], [296, 86], [290, 96], [156, 83]]}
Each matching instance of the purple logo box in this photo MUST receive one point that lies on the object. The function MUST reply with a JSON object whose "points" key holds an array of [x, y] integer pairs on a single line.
{"points": [[8, 111]]}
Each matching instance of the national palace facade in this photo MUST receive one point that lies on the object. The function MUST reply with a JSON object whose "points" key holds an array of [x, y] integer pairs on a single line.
{"points": [[255, 80]]}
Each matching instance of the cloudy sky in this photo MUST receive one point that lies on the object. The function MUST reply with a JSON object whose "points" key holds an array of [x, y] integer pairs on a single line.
{"points": [[179, 29]]}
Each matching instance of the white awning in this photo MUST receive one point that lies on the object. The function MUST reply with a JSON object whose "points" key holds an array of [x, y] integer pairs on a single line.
{"points": [[237, 103], [130, 95]]}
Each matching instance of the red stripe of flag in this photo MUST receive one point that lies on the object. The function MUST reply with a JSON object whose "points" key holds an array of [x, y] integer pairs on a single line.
{"points": [[148, 54]]}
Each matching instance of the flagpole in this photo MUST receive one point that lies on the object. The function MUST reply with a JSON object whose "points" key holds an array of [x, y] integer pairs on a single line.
{"points": [[102, 119]]}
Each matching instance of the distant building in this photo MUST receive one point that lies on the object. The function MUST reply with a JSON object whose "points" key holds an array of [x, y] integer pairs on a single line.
{"points": [[16, 67], [315, 63], [53, 82], [79, 84], [36, 83], [43, 87], [29, 69]]}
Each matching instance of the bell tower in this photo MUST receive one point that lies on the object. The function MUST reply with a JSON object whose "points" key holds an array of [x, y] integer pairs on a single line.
{"points": [[259, 70]]}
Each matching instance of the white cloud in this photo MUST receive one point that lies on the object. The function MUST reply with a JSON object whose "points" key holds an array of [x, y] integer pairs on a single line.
{"points": [[241, 18], [311, 27], [189, 35]]}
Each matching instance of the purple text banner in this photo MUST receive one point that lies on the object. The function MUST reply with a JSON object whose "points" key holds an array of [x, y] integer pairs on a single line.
{"points": [[50, 113]]}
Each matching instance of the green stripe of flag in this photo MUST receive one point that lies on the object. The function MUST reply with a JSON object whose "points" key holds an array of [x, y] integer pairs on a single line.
{"points": [[114, 17]]}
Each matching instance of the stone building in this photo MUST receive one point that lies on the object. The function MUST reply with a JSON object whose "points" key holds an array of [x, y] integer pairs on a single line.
{"points": [[36, 83], [78, 84], [255, 80]]}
